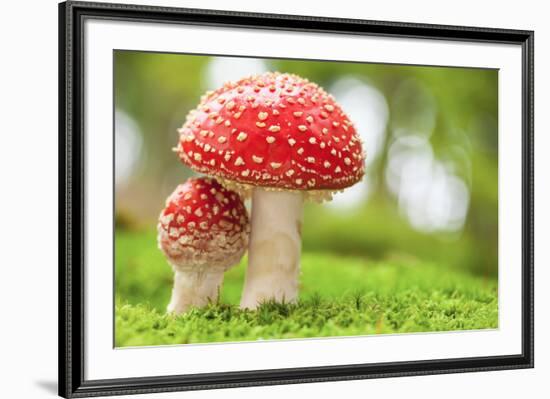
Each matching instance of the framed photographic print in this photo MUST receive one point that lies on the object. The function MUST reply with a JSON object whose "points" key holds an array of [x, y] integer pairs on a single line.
{"points": [[251, 199]]}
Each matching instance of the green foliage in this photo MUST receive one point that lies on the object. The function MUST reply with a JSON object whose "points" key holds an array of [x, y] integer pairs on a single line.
{"points": [[340, 296], [373, 232]]}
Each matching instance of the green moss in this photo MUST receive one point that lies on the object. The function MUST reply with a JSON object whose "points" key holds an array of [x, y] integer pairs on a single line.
{"points": [[339, 296]]}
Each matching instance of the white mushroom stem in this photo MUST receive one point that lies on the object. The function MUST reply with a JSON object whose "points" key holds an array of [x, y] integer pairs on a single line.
{"points": [[194, 288], [274, 248]]}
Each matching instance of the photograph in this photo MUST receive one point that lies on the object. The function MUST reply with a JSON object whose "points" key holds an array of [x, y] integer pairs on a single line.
{"points": [[263, 199]]}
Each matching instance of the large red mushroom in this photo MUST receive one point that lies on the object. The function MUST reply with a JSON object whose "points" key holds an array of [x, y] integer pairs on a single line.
{"points": [[280, 139], [202, 231]]}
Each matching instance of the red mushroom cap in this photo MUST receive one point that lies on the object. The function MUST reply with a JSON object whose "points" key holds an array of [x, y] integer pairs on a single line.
{"points": [[203, 224], [273, 130]]}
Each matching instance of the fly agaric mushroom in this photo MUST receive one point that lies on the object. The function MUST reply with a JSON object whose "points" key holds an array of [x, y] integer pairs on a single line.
{"points": [[280, 139], [203, 231]]}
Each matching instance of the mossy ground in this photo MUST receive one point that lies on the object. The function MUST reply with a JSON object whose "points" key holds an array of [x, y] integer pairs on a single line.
{"points": [[339, 296]]}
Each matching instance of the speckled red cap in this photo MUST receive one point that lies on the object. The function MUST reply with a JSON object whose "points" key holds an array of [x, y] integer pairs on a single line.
{"points": [[273, 130], [203, 224]]}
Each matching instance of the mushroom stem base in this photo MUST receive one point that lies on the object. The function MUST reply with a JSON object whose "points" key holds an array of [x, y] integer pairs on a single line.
{"points": [[194, 288], [274, 248]]}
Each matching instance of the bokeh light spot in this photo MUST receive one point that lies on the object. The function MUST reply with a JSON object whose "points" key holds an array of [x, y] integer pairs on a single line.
{"points": [[429, 194], [367, 109], [128, 144], [222, 69]]}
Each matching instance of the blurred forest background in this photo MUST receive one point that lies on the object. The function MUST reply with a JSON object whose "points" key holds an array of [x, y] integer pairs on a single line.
{"points": [[430, 133]]}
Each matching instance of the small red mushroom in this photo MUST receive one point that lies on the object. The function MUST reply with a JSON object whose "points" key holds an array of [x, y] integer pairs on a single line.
{"points": [[202, 231], [281, 139]]}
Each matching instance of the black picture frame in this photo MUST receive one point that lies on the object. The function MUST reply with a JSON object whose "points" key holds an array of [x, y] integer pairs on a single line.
{"points": [[72, 383]]}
